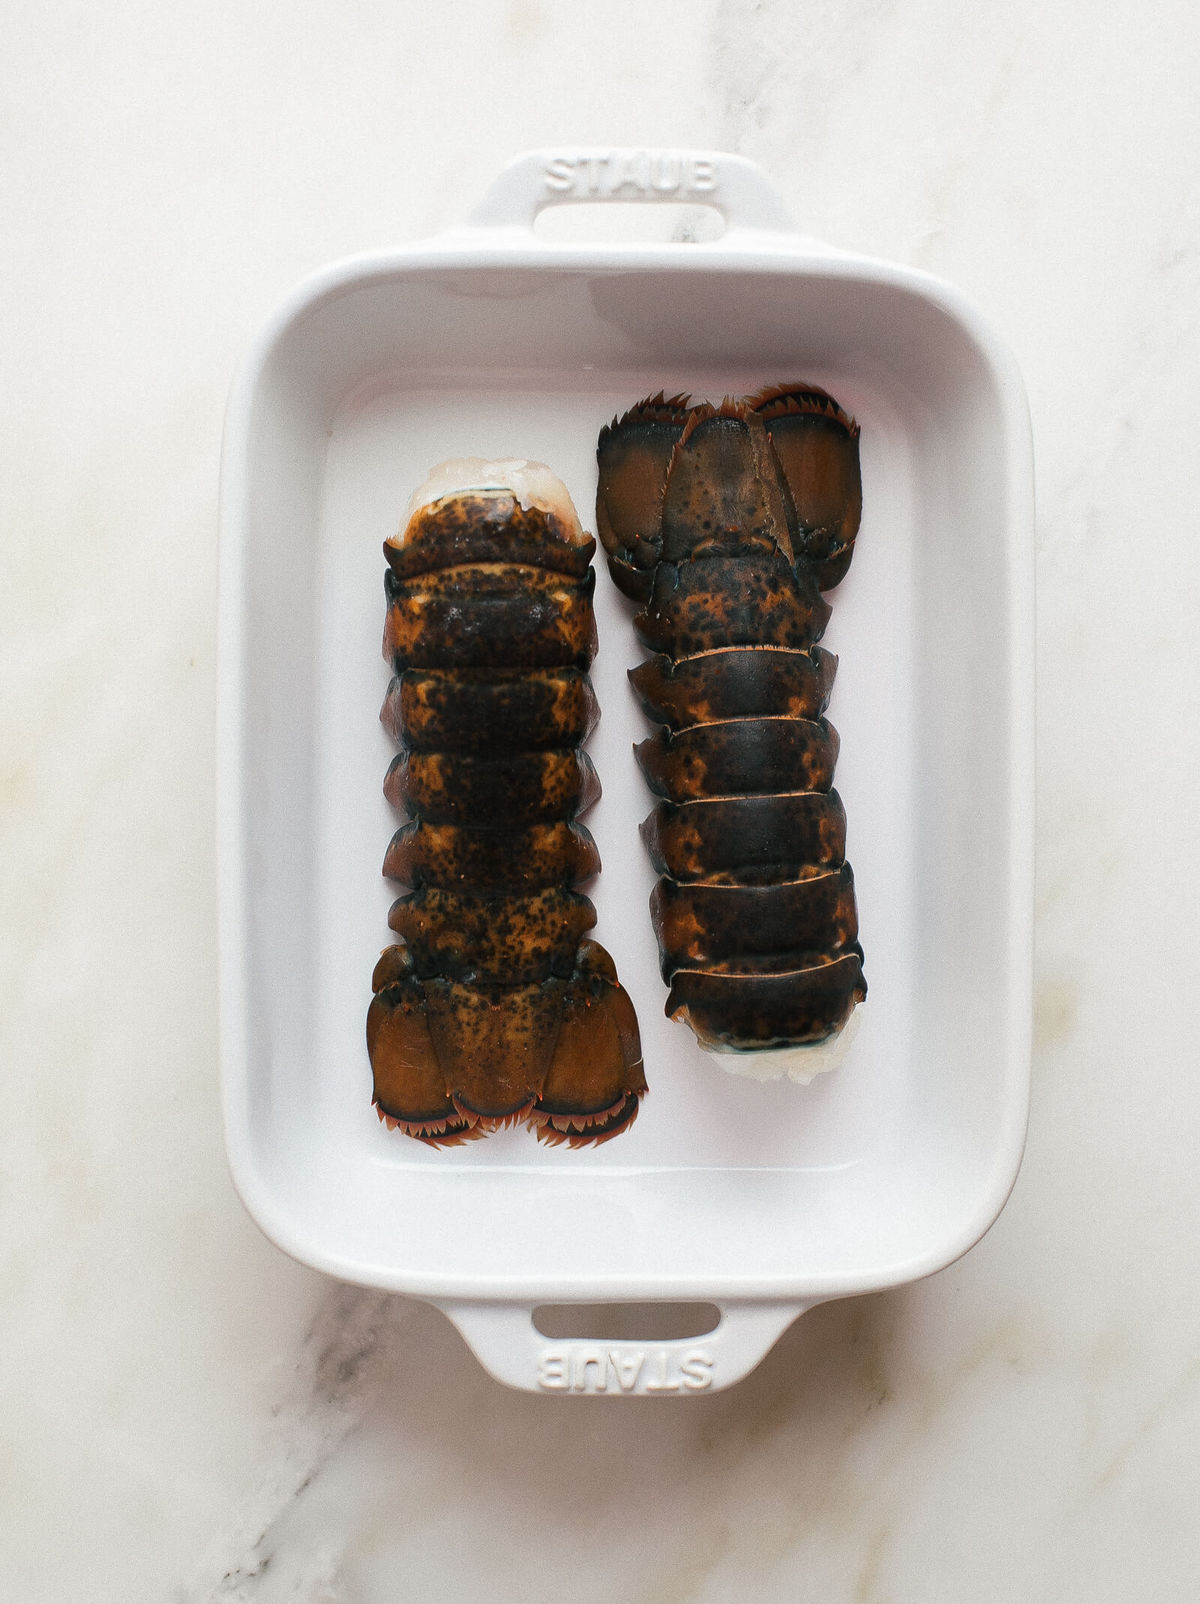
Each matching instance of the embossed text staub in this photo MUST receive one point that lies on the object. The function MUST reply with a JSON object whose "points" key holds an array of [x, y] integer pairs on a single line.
{"points": [[606, 1367], [631, 173]]}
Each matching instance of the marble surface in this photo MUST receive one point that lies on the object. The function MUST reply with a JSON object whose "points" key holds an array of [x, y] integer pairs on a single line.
{"points": [[185, 1414]]}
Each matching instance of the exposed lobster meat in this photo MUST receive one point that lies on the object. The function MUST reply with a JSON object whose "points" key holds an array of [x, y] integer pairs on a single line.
{"points": [[726, 523], [496, 1008]]}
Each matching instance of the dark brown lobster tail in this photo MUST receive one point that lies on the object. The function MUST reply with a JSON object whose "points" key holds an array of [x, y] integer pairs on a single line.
{"points": [[726, 523], [497, 1007]]}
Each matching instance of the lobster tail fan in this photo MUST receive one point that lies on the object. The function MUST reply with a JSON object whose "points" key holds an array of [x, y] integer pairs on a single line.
{"points": [[782, 400], [815, 443], [633, 452], [722, 488]]}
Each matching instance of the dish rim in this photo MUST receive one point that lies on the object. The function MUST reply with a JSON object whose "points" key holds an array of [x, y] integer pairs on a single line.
{"points": [[746, 252]]}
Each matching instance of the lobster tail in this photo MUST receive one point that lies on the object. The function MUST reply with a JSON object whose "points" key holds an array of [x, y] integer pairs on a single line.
{"points": [[753, 515], [495, 1007]]}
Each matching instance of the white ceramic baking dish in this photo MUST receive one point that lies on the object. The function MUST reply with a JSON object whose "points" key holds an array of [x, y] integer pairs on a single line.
{"points": [[760, 1199]]}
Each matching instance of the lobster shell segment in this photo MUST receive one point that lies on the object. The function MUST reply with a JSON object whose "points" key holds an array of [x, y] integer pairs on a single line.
{"points": [[747, 840], [699, 924], [726, 523], [482, 710], [478, 614], [739, 757], [495, 1007], [738, 682], [746, 1010], [449, 856]]}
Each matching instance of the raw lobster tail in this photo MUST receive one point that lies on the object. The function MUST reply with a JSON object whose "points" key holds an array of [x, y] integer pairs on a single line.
{"points": [[726, 523], [496, 1008]]}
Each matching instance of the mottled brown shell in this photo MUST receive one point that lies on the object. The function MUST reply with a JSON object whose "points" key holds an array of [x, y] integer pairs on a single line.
{"points": [[496, 1006], [726, 523]]}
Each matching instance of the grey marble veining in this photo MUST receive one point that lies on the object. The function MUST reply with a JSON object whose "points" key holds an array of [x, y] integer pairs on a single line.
{"points": [[188, 1416]]}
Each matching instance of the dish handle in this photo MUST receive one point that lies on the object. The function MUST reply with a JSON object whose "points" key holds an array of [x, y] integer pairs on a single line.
{"points": [[589, 175], [508, 1344]]}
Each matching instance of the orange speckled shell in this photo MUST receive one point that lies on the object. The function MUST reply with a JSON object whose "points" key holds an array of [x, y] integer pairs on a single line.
{"points": [[726, 524], [495, 1006]]}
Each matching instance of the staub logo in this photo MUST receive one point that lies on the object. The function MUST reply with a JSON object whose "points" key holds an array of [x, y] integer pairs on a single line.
{"points": [[596, 1367], [631, 173]]}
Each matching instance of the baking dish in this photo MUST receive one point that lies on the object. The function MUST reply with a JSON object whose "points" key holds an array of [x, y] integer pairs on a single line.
{"points": [[760, 1199]]}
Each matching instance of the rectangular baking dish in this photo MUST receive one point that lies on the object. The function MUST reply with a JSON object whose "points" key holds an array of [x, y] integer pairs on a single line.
{"points": [[759, 1199]]}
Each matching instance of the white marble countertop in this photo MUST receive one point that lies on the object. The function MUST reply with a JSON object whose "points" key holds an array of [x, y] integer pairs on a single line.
{"points": [[187, 1414]]}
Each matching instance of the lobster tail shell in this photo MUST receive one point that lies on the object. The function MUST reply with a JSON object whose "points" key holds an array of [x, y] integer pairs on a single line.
{"points": [[726, 523], [495, 1007]]}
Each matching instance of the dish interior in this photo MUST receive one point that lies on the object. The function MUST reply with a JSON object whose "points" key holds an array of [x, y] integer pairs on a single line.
{"points": [[886, 1167]]}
